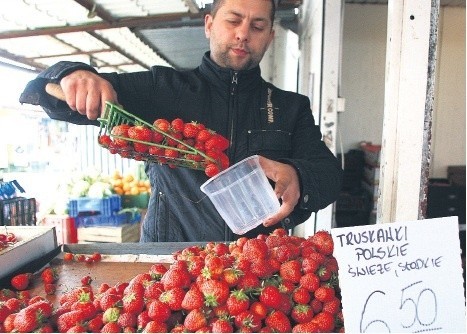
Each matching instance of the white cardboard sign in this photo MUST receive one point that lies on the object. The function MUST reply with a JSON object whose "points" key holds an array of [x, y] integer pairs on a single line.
{"points": [[401, 277]]}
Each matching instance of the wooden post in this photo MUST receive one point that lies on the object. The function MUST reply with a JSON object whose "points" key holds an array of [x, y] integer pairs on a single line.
{"points": [[410, 63]]}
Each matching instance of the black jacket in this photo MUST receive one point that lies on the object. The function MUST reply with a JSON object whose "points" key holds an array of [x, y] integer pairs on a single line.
{"points": [[255, 116]]}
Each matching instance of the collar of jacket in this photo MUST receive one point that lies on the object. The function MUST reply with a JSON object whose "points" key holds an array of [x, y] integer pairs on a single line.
{"points": [[222, 77]]}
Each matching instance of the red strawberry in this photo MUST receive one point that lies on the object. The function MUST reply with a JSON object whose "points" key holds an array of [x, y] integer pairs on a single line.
{"points": [[21, 281], [154, 327], [232, 276], [119, 132], [323, 242], [247, 321], [158, 311], [195, 320], [193, 298], [133, 302], [301, 313], [259, 309], [49, 275], [325, 321], [86, 307], [162, 124], [109, 300], [310, 281], [217, 141], [127, 320], [173, 297], [153, 290], [248, 282], [67, 256], [255, 249], [263, 268], [70, 319], [50, 288], [177, 125], [96, 256], [278, 322], [14, 304], [77, 329], [271, 296], [309, 265], [291, 271], [221, 326], [332, 306], [157, 270], [214, 267], [190, 130], [95, 324], [111, 327], [104, 140], [140, 133], [307, 327], [4, 312], [86, 280], [215, 292], [142, 320], [211, 169], [324, 293], [301, 295], [9, 323], [176, 277], [204, 135], [173, 139], [237, 302]]}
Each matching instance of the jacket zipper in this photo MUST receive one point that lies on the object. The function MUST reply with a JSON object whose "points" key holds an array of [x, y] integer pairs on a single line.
{"points": [[233, 91], [233, 114]]}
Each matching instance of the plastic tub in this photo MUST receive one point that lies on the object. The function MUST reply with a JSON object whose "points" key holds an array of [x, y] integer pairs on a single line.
{"points": [[242, 195]]}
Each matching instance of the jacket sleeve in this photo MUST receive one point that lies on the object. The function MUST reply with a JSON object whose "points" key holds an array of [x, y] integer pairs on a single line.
{"points": [[319, 171], [35, 94]]}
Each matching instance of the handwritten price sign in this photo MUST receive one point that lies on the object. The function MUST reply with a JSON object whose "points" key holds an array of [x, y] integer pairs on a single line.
{"points": [[401, 277]]}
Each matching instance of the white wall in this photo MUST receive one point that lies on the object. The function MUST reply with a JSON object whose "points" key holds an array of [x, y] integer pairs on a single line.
{"points": [[449, 118], [280, 63], [362, 83]]}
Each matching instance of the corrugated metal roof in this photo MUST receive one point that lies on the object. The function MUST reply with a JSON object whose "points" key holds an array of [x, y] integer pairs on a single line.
{"points": [[115, 35]]}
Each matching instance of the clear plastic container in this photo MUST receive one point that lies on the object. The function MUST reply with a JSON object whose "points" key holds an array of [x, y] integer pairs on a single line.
{"points": [[242, 195]]}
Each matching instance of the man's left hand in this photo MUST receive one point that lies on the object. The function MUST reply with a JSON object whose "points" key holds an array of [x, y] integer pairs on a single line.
{"points": [[287, 187]]}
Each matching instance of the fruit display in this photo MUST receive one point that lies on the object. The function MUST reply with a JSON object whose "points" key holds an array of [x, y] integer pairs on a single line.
{"points": [[174, 142], [272, 283], [129, 184]]}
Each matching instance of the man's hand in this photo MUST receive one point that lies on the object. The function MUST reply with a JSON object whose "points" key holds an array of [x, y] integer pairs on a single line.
{"points": [[86, 93], [287, 187]]}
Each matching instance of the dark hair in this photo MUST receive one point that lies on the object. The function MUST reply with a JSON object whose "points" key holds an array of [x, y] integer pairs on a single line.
{"points": [[216, 4]]}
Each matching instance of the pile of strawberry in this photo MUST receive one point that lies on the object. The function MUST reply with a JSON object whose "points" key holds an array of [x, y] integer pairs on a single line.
{"points": [[272, 283], [174, 143], [7, 239]]}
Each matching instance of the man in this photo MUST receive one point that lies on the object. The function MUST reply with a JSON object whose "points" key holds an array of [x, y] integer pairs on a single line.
{"points": [[227, 94]]}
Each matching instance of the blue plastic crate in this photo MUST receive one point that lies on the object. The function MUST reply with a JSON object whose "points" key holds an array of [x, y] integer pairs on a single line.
{"points": [[107, 206], [104, 220]]}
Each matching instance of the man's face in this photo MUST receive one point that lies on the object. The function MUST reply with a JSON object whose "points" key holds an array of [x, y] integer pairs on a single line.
{"points": [[240, 33]]}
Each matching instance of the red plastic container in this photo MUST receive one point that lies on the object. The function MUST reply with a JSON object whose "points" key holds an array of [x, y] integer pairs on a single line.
{"points": [[65, 228]]}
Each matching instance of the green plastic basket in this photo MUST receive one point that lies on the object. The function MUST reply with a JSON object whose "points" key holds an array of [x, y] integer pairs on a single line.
{"points": [[115, 115]]}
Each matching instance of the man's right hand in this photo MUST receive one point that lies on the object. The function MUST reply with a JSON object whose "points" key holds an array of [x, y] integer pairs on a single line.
{"points": [[86, 93]]}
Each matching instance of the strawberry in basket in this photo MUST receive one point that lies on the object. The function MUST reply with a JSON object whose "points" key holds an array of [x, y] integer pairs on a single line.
{"points": [[174, 143]]}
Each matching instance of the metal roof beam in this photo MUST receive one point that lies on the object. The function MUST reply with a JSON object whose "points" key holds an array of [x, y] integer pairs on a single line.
{"points": [[142, 22]]}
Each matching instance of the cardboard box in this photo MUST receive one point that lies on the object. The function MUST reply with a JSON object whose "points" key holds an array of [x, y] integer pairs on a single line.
{"points": [[123, 233], [33, 243]]}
